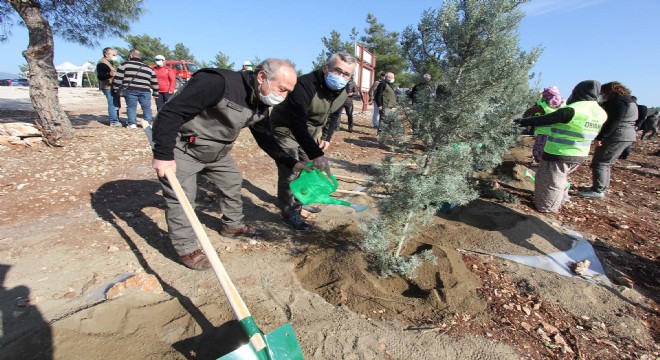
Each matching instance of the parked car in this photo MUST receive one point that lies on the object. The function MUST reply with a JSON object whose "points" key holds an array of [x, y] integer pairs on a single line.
{"points": [[183, 68], [20, 82]]}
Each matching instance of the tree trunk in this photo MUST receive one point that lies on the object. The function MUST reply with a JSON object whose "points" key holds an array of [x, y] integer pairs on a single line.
{"points": [[42, 74]]}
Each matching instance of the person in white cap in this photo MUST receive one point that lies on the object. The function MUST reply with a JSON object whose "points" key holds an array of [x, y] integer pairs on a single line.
{"points": [[247, 65], [166, 81]]}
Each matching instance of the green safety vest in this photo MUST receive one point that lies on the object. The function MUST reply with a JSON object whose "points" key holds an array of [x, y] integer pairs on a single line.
{"points": [[574, 138], [544, 130]]}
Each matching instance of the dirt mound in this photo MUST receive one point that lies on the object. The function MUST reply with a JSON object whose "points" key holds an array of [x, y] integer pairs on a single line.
{"points": [[341, 275]]}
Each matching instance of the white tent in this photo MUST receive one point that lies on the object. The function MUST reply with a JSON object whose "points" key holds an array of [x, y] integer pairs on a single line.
{"points": [[75, 74]]}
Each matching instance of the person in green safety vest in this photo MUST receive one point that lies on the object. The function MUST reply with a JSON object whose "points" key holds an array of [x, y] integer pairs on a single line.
{"points": [[549, 101], [572, 129]]}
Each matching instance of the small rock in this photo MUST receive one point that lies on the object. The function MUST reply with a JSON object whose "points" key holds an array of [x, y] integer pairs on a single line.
{"points": [[526, 326], [526, 310], [113, 248], [70, 295], [581, 267], [549, 328], [559, 340], [623, 226], [253, 242]]}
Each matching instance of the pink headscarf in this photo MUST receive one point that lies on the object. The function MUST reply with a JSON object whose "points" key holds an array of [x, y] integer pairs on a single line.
{"points": [[552, 97]]}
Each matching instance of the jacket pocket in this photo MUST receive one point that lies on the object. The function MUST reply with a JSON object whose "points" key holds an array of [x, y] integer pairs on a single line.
{"points": [[204, 150]]}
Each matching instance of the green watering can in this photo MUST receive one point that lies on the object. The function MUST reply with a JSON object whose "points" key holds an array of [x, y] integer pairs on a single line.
{"points": [[314, 186]]}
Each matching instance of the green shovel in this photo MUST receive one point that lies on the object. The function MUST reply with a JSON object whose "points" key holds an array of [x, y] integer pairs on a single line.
{"points": [[278, 344]]}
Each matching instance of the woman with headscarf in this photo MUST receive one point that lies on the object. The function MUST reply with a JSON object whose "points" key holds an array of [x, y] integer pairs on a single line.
{"points": [[549, 101], [572, 128]]}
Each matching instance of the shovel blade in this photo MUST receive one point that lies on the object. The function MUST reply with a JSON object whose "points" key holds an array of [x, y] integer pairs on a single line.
{"points": [[281, 344]]}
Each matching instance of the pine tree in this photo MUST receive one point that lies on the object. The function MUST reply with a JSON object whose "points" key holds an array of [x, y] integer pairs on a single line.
{"points": [[221, 61], [457, 131], [148, 46]]}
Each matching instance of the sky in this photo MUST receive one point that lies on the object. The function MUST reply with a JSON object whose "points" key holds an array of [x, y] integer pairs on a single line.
{"points": [[604, 40]]}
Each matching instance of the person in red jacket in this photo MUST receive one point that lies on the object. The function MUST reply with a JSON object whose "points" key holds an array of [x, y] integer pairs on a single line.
{"points": [[166, 81]]}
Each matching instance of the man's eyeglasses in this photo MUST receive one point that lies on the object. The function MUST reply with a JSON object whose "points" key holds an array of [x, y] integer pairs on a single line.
{"points": [[338, 71]]}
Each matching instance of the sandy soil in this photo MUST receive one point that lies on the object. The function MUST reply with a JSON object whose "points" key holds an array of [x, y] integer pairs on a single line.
{"points": [[76, 220]]}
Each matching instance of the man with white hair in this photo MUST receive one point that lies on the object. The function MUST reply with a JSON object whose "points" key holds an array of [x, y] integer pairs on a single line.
{"points": [[194, 133]]}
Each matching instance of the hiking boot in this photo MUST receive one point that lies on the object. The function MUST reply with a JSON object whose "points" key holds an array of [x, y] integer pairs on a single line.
{"points": [[296, 222], [592, 194], [196, 260], [115, 124], [312, 209], [245, 231]]}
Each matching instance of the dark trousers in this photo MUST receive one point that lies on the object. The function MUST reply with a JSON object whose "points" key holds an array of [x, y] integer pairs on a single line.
{"points": [[162, 98], [335, 117], [601, 164], [288, 204], [224, 174]]}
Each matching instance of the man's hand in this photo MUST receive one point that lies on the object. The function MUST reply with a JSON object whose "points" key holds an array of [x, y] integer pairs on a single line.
{"points": [[598, 143], [322, 164], [324, 145], [300, 166], [161, 165]]}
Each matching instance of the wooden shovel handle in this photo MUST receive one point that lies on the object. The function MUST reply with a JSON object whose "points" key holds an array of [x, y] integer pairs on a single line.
{"points": [[235, 300]]}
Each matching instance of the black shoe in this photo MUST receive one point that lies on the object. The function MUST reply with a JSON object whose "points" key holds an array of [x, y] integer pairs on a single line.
{"points": [[350, 128], [296, 222], [312, 209]]}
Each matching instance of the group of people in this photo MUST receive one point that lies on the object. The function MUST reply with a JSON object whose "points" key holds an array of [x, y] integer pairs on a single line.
{"points": [[136, 82], [292, 119], [194, 132], [606, 115]]}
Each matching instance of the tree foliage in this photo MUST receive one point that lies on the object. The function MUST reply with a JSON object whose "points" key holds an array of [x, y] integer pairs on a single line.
{"points": [[222, 61], [148, 46], [466, 129], [78, 21], [385, 45], [181, 52], [335, 44]]}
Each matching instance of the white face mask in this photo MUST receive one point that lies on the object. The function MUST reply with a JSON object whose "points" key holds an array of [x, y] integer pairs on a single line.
{"points": [[160, 62], [391, 81], [271, 99], [113, 58]]}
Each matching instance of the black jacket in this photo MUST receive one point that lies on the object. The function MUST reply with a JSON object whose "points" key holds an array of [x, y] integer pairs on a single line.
{"points": [[203, 92], [621, 117]]}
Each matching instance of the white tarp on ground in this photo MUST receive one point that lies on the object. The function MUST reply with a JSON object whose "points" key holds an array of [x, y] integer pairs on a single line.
{"points": [[562, 261]]}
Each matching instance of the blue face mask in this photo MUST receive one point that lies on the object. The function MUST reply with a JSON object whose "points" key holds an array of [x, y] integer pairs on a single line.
{"points": [[335, 82]]}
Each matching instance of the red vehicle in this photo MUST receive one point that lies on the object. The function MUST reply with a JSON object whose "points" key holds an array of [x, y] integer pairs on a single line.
{"points": [[183, 68]]}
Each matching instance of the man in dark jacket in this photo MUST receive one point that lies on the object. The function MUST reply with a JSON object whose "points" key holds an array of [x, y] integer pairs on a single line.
{"points": [[386, 98], [298, 124], [422, 88], [105, 72], [617, 133], [372, 99], [194, 133]]}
